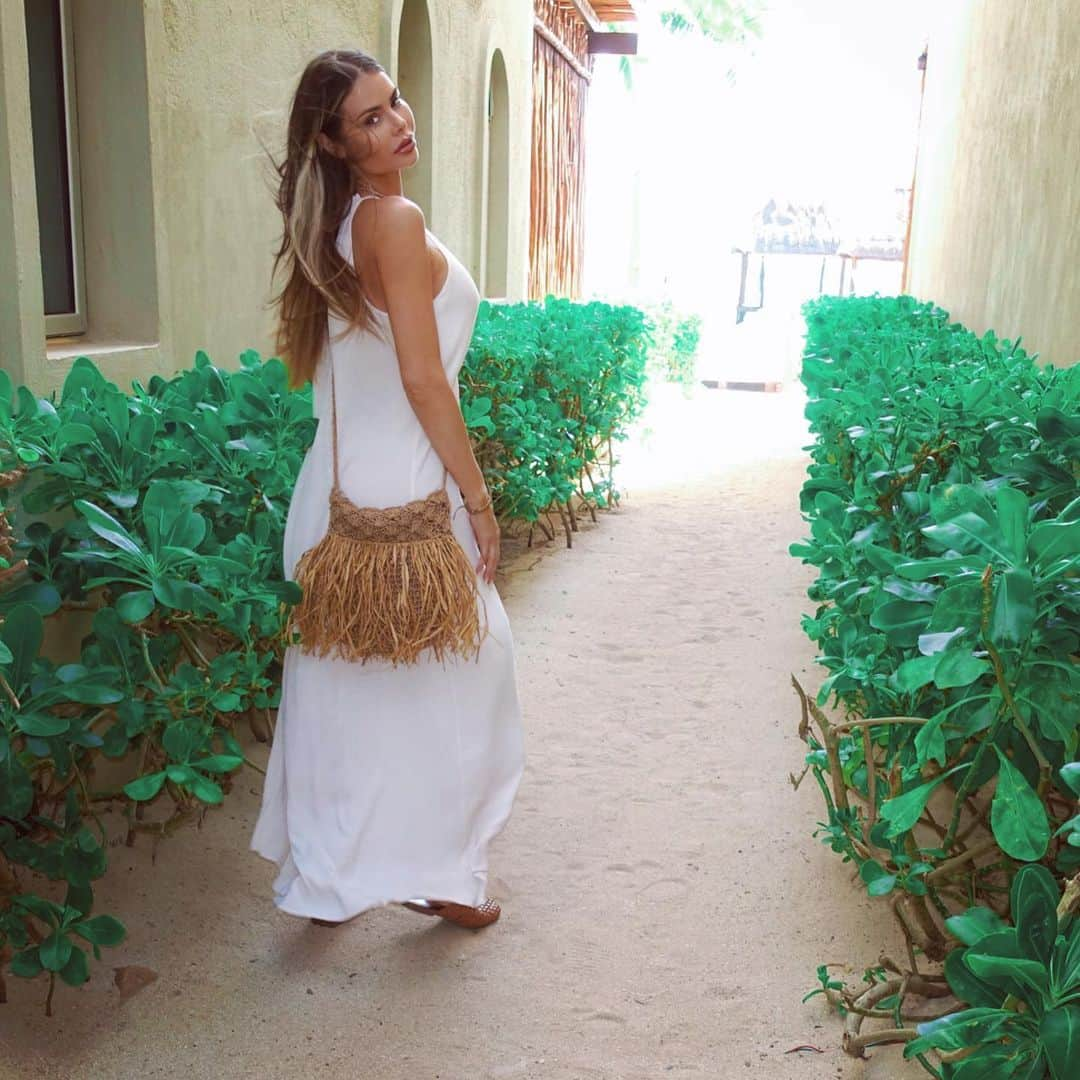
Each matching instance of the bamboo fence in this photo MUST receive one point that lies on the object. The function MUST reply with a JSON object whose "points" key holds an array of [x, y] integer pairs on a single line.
{"points": [[562, 68]]}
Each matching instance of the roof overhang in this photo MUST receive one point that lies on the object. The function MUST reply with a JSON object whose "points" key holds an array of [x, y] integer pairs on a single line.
{"points": [[614, 10], [595, 14]]}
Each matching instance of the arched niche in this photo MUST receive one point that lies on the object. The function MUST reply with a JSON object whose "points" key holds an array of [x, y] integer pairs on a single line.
{"points": [[497, 234], [414, 78]]}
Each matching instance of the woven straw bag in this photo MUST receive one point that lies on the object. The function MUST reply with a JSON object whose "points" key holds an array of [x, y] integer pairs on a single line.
{"points": [[386, 583]]}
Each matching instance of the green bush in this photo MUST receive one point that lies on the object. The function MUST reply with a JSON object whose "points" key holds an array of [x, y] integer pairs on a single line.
{"points": [[1023, 984], [944, 506], [162, 517], [546, 390], [160, 521], [674, 340]]}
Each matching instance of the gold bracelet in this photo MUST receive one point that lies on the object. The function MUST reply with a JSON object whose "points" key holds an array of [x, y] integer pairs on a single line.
{"points": [[479, 509]]}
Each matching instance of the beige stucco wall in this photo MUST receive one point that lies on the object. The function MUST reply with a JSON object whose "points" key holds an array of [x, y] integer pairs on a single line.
{"points": [[994, 237], [20, 265], [196, 183]]}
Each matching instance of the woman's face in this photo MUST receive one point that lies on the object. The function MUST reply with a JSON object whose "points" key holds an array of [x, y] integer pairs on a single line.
{"points": [[375, 121]]}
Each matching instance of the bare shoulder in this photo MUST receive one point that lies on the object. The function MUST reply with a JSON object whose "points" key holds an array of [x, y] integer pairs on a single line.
{"points": [[393, 224]]}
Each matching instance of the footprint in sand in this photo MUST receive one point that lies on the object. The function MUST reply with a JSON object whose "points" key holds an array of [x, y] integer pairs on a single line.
{"points": [[588, 1013], [665, 889], [606, 1014]]}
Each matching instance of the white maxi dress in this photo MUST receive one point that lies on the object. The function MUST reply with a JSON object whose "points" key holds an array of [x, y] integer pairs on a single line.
{"points": [[384, 783]]}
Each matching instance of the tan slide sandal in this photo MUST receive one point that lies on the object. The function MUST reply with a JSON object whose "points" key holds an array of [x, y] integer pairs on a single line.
{"points": [[472, 918]]}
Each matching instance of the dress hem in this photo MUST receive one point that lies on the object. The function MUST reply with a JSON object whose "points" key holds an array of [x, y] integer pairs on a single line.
{"points": [[295, 897]]}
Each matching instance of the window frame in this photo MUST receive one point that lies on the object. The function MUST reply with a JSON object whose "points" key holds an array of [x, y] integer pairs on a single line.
{"points": [[75, 322]]}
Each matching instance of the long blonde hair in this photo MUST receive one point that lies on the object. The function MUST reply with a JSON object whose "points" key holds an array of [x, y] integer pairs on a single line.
{"points": [[314, 192]]}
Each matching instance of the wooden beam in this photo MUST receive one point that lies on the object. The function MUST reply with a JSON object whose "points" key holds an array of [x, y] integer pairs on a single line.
{"points": [[615, 44], [588, 16], [541, 28], [616, 15]]}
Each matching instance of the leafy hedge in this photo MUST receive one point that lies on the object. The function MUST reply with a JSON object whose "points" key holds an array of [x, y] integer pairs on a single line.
{"points": [[546, 389], [159, 523], [161, 517], [674, 340], [944, 506]]}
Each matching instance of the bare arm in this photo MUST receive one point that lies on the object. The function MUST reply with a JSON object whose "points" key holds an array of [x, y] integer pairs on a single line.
{"points": [[401, 258], [399, 244]]}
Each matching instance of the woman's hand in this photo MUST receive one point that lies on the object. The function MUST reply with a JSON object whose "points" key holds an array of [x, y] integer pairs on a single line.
{"points": [[486, 530]]}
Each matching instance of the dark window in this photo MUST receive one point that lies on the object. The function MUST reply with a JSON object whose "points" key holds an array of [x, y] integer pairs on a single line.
{"points": [[50, 104]]}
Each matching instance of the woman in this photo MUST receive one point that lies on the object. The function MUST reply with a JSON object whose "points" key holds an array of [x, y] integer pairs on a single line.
{"points": [[385, 784]]}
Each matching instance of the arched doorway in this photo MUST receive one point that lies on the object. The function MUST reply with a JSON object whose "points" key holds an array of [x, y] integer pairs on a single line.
{"points": [[415, 81], [498, 185]]}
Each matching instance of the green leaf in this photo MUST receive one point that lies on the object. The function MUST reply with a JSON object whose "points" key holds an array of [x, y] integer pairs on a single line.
{"points": [[1060, 1034], [43, 725], [930, 740], [116, 409], [101, 930], [92, 689], [901, 620], [1067, 959], [1071, 775], [967, 532], [176, 593], [27, 963], [974, 924], [16, 788], [168, 517], [136, 605], [959, 1030], [1011, 972], [1034, 898], [55, 951], [219, 763], [1017, 816], [179, 740], [76, 971], [145, 787], [934, 644], [1051, 541], [108, 528], [22, 631], [922, 569], [959, 607], [1013, 613], [915, 673], [967, 986], [959, 667], [74, 435], [204, 788], [141, 432], [181, 774], [990, 1063], [878, 881], [122, 500], [1013, 511], [904, 810]]}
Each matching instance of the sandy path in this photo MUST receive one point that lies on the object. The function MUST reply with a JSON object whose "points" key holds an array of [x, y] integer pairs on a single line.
{"points": [[664, 904]]}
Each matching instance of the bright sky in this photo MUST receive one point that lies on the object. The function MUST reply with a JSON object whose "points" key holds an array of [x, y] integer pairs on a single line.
{"points": [[825, 107]]}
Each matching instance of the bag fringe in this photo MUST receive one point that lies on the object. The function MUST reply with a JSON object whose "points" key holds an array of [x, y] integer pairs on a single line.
{"points": [[369, 600]]}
